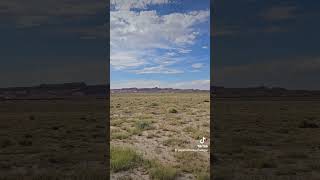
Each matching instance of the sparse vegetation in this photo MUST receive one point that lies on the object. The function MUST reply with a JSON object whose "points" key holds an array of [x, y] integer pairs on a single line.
{"points": [[163, 173], [173, 110], [175, 142], [203, 176], [143, 124], [197, 166], [196, 133], [274, 138], [120, 135], [123, 158], [154, 104], [59, 137], [155, 127]]}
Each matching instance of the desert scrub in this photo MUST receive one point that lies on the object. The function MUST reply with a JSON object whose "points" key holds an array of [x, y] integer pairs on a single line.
{"points": [[125, 178], [158, 171], [143, 125], [135, 131], [120, 135], [199, 165], [154, 104], [173, 110], [203, 176], [163, 173], [123, 158], [195, 133], [175, 142], [117, 122], [152, 135]]}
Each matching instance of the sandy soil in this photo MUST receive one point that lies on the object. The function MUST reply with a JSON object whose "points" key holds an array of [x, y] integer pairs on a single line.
{"points": [[173, 120]]}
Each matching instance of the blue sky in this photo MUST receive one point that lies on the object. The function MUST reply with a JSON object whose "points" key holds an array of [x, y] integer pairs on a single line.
{"points": [[160, 43]]}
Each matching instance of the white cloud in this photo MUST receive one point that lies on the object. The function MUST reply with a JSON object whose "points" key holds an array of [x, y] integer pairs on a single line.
{"points": [[124, 60], [147, 29], [144, 83], [138, 4], [171, 54], [197, 65], [184, 51], [143, 32], [204, 47], [161, 69]]}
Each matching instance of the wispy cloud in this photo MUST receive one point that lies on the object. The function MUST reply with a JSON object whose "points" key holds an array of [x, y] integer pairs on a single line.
{"points": [[138, 4], [161, 69], [147, 29], [124, 60], [141, 32], [144, 41], [197, 65]]}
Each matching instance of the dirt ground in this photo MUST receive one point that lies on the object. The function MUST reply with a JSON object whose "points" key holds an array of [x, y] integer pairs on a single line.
{"points": [[53, 138], [154, 125], [266, 139]]}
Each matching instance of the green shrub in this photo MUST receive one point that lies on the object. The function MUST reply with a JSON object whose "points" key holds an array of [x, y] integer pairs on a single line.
{"points": [[163, 173], [173, 110], [120, 135], [154, 104], [143, 124], [203, 176], [123, 158]]}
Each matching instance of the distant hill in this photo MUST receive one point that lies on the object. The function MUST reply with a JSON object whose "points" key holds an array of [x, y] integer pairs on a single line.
{"points": [[155, 90], [262, 92], [80, 89], [54, 91]]}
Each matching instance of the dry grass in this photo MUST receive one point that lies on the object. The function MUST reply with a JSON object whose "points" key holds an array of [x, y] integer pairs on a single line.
{"points": [[266, 139], [156, 125], [57, 138]]}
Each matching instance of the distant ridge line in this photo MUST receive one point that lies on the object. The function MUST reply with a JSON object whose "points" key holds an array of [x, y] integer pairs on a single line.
{"points": [[262, 91], [153, 90], [81, 89], [55, 91]]}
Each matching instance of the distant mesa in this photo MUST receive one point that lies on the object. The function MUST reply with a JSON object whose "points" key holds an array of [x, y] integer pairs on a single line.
{"points": [[155, 90], [262, 91], [82, 90], [55, 91]]}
